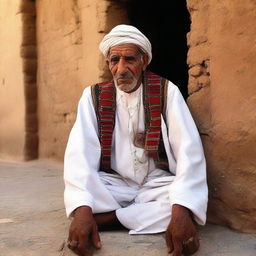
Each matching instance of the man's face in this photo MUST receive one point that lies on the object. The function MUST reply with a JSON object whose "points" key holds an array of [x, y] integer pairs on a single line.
{"points": [[126, 64]]}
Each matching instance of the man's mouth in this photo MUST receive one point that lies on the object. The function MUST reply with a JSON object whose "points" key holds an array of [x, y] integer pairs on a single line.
{"points": [[124, 78]]}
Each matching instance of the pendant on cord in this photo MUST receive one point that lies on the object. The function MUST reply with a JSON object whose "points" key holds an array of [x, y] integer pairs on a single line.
{"points": [[139, 140]]}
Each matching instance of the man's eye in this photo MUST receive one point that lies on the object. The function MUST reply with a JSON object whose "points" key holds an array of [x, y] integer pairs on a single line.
{"points": [[114, 59], [130, 58]]}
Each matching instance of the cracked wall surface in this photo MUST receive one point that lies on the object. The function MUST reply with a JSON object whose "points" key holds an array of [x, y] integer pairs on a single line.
{"points": [[60, 61], [69, 60], [222, 88]]}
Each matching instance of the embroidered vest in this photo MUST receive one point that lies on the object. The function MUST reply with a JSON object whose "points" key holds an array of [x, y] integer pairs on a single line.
{"points": [[154, 101]]}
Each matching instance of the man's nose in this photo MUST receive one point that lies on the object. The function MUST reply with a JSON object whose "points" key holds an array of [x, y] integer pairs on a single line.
{"points": [[121, 66]]}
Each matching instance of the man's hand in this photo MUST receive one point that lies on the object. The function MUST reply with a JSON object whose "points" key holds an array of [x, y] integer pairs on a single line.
{"points": [[181, 236], [83, 232]]}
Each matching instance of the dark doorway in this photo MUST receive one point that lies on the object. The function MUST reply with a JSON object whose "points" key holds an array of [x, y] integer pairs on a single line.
{"points": [[166, 24]]}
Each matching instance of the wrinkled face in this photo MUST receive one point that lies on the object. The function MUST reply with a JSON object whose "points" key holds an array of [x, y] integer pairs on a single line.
{"points": [[126, 63]]}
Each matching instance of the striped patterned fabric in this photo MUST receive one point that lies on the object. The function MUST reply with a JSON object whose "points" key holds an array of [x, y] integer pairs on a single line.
{"points": [[104, 98]]}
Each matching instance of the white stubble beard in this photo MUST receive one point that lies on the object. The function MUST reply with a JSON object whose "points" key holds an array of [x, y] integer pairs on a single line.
{"points": [[128, 87]]}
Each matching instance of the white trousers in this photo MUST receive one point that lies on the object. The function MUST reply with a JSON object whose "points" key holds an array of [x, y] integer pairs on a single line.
{"points": [[142, 209]]}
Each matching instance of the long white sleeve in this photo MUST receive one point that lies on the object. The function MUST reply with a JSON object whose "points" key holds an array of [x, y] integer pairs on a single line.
{"points": [[190, 186], [82, 160], [184, 150]]}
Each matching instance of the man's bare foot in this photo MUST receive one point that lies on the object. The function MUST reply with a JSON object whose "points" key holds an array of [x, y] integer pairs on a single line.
{"points": [[107, 221]]}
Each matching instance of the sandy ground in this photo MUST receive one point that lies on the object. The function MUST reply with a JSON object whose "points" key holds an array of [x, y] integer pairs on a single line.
{"points": [[33, 220]]}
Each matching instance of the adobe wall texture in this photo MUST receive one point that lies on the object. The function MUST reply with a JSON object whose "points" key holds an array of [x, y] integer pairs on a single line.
{"points": [[222, 86], [11, 84], [65, 56], [18, 125], [68, 61], [60, 72]]}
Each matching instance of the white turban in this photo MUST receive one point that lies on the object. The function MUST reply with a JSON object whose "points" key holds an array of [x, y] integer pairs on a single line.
{"points": [[125, 34]]}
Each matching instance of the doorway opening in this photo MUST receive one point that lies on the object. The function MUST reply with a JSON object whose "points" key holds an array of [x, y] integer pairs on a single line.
{"points": [[166, 25]]}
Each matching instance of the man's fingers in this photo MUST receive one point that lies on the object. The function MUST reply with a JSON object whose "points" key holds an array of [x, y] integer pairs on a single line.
{"points": [[83, 246], [168, 240], [177, 247], [72, 245], [191, 246], [87, 254], [96, 238]]}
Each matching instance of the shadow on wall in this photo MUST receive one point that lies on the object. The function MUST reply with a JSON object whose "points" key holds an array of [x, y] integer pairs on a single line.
{"points": [[166, 24]]}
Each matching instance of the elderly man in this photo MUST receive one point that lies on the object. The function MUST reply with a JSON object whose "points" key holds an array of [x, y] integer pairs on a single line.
{"points": [[134, 157]]}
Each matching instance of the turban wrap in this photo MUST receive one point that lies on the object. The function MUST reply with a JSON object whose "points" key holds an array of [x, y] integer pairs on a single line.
{"points": [[125, 34]]}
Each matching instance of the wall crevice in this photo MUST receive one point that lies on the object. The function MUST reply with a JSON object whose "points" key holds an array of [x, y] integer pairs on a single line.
{"points": [[28, 54]]}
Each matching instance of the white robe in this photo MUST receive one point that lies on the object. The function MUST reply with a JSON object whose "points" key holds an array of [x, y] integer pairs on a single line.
{"points": [[141, 194]]}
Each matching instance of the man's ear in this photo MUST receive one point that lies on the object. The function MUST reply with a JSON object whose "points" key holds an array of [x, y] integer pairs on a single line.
{"points": [[145, 62]]}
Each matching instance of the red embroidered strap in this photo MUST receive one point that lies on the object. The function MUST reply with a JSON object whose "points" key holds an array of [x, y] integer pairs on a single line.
{"points": [[106, 108], [104, 98], [152, 104]]}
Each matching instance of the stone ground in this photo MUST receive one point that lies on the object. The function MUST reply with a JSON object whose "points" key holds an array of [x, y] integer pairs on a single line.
{"points": [[33, 221]]}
